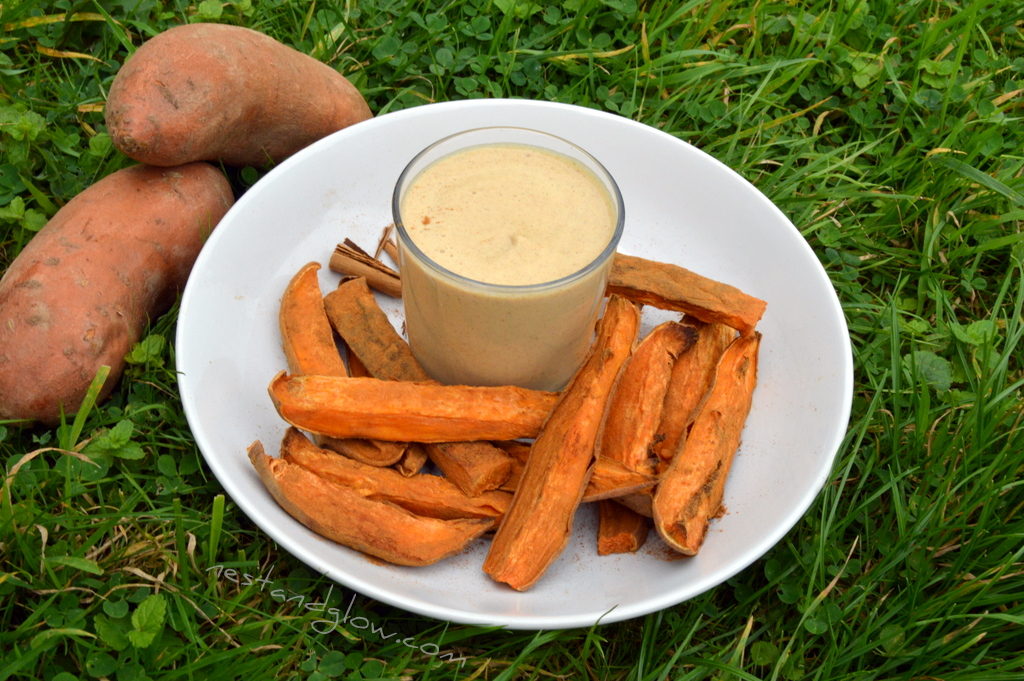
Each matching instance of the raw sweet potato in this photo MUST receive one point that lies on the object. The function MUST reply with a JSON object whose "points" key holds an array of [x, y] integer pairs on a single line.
{"points": [[82, 291], [226, 93]]}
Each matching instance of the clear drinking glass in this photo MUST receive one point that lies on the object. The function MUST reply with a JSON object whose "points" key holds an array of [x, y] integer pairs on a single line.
{"points": [[466, 331]]}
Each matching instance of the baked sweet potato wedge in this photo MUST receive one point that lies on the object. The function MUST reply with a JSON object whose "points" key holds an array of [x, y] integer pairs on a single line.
{"points": [[423, 494], [621, 530], [408, 412], [306, 335], [688, 387], [373, 341], [690, 491], [310, 348], [671, 287], [537, 525], [354, 313], [635, 407], [608, 480], [379, 529]]}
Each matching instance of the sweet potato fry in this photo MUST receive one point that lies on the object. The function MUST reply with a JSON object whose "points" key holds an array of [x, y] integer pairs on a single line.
{"points": [[355, 315], [405, 411], [609, 479], [373, 341], [537, 525], [635, 407], [306, 334], [671, 287], [413, 459], [688, 387], [423, 494], [377, 528], [690, 491], [630, 425], [621, 529], [310, 348], [474, 467]]}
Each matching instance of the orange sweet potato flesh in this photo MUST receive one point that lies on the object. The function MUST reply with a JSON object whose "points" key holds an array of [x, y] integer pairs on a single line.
{"points": [[608, 480], [691, 379], [671, 287], [635, 408], [375, 344], [539, 522], [406, 411], [309, 348], [621, 529], [690, 491], [630, 427], [306, 334], [217, 92], [83, 290], [377, 528], [422, 493]]}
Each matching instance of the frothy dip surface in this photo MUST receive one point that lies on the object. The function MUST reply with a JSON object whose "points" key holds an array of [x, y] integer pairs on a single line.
{"points": [[509, 214]]}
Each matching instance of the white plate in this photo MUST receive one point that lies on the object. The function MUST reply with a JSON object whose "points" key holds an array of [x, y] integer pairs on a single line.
{"points": [[682, 206]]}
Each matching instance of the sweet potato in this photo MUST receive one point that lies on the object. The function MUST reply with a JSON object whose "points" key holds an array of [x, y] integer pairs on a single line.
{"points": [[377, 528], [671, 287], [537, 526], [621, 530], [690, 491], [608, 480], [309, 348], [688, 387], [422, 493], [408, 412], [373, 342], [306, 334], [83, 290], [225, 93]]}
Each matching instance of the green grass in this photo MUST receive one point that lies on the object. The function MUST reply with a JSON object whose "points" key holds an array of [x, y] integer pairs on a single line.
{"points": [[889, 131]]}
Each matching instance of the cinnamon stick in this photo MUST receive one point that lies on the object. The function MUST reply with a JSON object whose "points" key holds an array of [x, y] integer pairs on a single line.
{"points": [[413, 459], [349, 259], [537, 525]]}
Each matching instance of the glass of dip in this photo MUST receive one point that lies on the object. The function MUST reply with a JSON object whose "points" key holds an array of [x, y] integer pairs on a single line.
{"points": [[505, 240]]}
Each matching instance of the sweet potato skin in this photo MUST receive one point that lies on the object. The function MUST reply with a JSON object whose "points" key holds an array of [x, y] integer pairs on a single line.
{"points": [[226, 93], [82, 291]]}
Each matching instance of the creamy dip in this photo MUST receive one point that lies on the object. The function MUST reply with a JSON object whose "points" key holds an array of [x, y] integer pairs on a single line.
{"points": [[509, 214], [511, 218]]}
